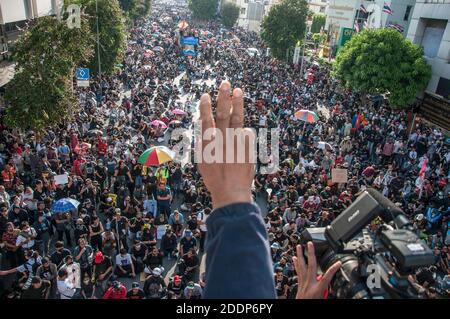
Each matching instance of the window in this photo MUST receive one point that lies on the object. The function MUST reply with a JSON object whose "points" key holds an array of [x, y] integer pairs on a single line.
{"points": [[322, 10], [242, 10], [407, 13], [432, 36], [443, 88]]}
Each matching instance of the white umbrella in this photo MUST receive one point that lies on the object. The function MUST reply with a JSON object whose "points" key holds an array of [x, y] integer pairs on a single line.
{"points": [[325, 146]]}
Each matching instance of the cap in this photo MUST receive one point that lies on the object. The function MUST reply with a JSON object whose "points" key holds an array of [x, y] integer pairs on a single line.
{"points": [[135, 285], [116, 284], [157, 271], [177, 278], [190, 285], [98, 257], [275, 246], [188, 233]]}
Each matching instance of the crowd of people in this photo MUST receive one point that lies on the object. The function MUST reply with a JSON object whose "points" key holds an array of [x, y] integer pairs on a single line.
{"points": [[133, 220]]}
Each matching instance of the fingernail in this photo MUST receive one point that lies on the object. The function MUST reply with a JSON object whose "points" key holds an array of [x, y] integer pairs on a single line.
{"points": [[225, 86], [238, 93], [204, 98]]}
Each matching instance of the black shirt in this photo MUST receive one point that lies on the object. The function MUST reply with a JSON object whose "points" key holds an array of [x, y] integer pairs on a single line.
{"points": [[140, 294], [103, 266], [57, 257], [39, 293]]}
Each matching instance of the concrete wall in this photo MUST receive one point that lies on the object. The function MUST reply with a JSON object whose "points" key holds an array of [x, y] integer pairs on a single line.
{"points": [[440, 64]]}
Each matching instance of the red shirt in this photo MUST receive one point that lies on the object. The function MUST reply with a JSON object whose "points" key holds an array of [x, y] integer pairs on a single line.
{"points": [[77, 166], [112, 293], [102, 147]]}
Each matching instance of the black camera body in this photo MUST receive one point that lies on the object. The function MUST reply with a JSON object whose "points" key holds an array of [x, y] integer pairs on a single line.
{"points": [[374, 264]]}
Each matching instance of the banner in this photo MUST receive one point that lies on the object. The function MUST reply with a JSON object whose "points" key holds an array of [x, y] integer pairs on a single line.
{"points": [[339, 175]]}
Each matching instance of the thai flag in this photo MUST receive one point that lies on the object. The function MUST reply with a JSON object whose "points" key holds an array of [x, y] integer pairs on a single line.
{"points": [[396, 26], [362, 8], [387, 9], [356, 26]]}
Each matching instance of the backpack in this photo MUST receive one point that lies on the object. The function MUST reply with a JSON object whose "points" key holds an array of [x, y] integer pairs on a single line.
{"points": [[154, 291]]}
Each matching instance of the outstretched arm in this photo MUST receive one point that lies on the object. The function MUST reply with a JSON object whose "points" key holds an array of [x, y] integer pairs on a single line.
{"points": [[238, 263]]}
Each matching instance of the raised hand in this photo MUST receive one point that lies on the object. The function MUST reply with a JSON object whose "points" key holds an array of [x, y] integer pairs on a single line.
{"points": [[308, 286], [227, 182]]}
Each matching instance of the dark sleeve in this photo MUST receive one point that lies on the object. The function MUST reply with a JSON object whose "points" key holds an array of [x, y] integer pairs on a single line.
{"points": [[238, 265]]}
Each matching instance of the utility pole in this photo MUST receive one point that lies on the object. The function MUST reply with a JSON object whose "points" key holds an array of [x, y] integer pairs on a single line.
{"points": [[98, 50], [303, 51]]}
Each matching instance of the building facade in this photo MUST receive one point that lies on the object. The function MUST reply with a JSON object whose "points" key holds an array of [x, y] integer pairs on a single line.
{"points": [[430, 28], [252, 12], [343, 14], [14, 15], [318, 6]]}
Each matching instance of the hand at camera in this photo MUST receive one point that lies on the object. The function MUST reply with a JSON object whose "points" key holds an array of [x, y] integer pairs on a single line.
{"points": [[308, 286]]}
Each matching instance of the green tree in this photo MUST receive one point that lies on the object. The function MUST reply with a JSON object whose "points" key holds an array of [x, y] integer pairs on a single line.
{"points": [[41, 92], [381, 61], [284, 26], [319, 38], [135, 9], [203, 9], [111, 32], [318, 22], [229, 13]]}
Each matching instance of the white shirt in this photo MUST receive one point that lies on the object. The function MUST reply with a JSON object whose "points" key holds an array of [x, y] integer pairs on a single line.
{"points": [[20, 239], [202, 217], [74, 274], [66, 289], [123, 260]]}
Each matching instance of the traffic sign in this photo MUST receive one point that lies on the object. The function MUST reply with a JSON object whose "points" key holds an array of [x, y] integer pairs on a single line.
{"points": [[82, 74]]}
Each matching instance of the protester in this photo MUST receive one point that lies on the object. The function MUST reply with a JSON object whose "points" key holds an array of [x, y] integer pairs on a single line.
{"points": [[121, 227]]}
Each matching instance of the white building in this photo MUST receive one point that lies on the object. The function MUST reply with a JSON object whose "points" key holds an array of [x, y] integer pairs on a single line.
{"points": [[343, 13], [15, 13], [252, 12], [318, 6], [430, 28]]}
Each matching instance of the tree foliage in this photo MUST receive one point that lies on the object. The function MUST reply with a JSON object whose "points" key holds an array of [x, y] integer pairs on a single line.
{"points": [[229, 13], [381, 61], [318, 22], [41, 93], [135, 9], [203, 9], [111, 32], [284, 25], [319, 38]]}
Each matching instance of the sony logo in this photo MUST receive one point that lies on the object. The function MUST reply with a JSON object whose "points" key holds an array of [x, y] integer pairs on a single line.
{"points": [[353, 216]]}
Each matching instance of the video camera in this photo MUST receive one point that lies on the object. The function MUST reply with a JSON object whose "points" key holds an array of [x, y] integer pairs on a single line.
{"points": [[375, 264]]}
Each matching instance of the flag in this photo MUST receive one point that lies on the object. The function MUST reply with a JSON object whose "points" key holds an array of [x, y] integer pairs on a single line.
{"points": [[356, 121], [422, 175], [387, 9], [396, 26], [366, 25], [362, 8], [356, 26]]}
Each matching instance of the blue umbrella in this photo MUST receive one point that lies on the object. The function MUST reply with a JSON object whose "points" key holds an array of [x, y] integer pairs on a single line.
{"points": [[65, 205]]}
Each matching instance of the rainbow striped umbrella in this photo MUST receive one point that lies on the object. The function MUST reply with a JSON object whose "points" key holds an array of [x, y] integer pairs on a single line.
{"points": [[306, 116], [156, 155]]}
